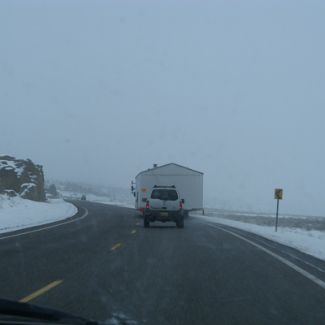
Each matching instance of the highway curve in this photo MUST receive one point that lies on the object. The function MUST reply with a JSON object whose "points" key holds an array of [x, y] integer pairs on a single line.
{"points": [[104, 262]]}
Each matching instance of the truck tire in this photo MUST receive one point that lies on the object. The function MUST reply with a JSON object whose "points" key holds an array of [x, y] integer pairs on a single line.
{"points": [[146, 222], [180, 222]]}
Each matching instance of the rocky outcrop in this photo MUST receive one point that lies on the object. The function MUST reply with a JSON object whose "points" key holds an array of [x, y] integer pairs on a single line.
{"points": [[21, 177]]}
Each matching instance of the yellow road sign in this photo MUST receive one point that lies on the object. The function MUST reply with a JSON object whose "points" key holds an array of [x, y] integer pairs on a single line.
{"points": [[278, 193]]}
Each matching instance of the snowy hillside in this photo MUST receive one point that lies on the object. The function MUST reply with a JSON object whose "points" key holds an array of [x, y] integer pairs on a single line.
{"points": [[94, 193], [97, 198], [21, 177]]}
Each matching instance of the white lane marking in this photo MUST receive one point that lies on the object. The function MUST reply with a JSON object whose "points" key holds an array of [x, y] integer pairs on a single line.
{"points": [[291, 255], [298, 269], [47, 227], [305, 262]]}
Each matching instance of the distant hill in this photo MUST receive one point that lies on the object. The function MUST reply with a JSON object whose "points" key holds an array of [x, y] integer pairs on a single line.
{"points": [[76, 189]]}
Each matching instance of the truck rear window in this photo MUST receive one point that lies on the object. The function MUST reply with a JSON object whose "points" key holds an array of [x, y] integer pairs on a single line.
{"points": [[165, 195]]}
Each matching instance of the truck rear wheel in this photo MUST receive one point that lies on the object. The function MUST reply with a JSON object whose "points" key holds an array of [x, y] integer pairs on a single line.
{"points": [[146, 222], [180, 222]]}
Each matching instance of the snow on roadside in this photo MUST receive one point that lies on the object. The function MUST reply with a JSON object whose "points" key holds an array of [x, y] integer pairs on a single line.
{"points": [[17, 213], [308, 241], [228, 213]]}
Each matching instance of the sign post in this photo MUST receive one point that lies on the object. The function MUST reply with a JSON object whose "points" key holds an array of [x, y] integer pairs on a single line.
{"points": [[278, 195]]}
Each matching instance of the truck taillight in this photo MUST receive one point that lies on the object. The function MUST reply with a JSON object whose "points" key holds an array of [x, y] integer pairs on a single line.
{"points": [[147, 205], [180, 204]]}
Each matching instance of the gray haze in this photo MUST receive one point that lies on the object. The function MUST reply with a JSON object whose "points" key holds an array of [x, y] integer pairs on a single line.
{"points": [[97, 91]]}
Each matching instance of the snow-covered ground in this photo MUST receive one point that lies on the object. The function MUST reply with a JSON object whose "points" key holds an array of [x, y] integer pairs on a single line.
{"points": [[258, 214], [17, 213], [309, 241], [267, 219], [96, 198]]}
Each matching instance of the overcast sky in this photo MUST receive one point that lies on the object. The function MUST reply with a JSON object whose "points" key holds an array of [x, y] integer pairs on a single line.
{"points": [[97, 91]]}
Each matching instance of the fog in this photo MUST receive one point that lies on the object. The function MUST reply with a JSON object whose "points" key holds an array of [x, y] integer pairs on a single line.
{"points": [[97, 91]]}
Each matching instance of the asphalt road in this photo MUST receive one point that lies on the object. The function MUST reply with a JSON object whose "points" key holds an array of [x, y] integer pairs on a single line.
{"points": [[106, 263]]}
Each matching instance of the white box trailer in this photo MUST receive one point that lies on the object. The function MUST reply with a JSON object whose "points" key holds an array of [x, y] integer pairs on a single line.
{"points": [[188, 183]]}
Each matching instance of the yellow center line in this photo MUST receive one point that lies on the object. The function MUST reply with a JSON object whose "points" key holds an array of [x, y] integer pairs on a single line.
{"points": [[133, 231], [116, 246], [41, 291]]}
